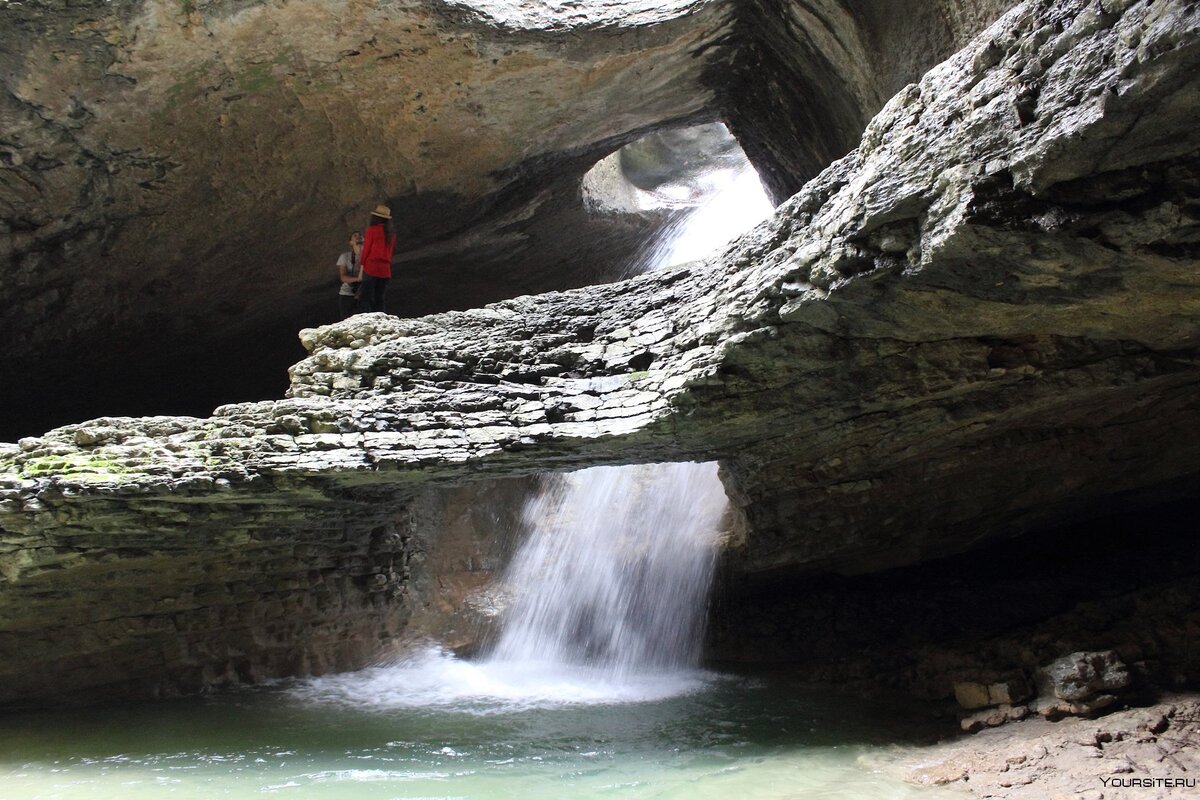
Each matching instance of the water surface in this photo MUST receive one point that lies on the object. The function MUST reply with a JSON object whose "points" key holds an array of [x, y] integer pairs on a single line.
{"points": [[361, 736]]}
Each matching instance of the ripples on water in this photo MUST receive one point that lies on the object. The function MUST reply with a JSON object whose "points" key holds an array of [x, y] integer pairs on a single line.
{"points": [[437, 727]]}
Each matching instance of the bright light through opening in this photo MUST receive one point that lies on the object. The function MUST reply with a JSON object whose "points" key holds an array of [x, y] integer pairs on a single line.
{"points": [[698, 178]]}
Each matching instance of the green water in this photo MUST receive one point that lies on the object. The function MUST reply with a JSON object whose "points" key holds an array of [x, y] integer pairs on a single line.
{"points": [[722, 738]]}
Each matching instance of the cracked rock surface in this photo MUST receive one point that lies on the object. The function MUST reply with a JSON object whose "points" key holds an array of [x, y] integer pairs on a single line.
{"points": [[1148, 752]]}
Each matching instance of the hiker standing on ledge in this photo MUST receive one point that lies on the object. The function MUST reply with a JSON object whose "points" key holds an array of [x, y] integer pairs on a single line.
{"points": [[378, 245], [349, 266]]}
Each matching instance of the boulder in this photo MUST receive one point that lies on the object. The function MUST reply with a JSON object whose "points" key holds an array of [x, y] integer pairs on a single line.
{"points": [[1009, 692], [1082, 676], [971, 695]]}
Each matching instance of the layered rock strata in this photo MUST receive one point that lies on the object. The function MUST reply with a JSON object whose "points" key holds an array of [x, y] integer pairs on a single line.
{"points": [[178, 178], [805, 77], [983, 320]]}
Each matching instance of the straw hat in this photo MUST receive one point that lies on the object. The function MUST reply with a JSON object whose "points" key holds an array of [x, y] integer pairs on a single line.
{"points": [[382, 211]]}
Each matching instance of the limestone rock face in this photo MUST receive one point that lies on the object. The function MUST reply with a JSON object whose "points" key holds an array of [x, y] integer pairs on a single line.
{"points": [[180, 177], [809, 75], [983, 320]]}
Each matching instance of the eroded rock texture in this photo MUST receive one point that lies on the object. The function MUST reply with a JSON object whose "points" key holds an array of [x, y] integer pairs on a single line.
{"points": [[1121, 754], [178, 178], [982, 320], [183, 176], [807, 76]]}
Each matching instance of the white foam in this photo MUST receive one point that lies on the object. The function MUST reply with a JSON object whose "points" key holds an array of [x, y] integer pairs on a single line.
{"points": [[608, 603], [437, 680], [614, 573]]}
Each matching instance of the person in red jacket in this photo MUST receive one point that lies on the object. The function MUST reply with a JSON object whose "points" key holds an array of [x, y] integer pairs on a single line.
{"points": [[378, 245]]}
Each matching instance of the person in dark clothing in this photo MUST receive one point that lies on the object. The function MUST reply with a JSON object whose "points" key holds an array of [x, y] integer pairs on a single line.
{"points": [[378, 245], [349, 266]]}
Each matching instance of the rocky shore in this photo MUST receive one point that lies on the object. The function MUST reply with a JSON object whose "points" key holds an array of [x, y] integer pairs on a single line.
{"points": [[1150, 752]]}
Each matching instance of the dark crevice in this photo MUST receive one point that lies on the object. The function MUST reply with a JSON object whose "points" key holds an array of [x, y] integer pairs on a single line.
{"points": [[1102, 583]]}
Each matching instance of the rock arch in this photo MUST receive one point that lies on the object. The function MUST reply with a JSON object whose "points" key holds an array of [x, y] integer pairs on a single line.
{"points": [[180, 177]]}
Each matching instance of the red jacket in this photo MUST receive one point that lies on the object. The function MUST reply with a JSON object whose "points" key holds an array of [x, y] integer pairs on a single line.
{"points": [[377, 252]]}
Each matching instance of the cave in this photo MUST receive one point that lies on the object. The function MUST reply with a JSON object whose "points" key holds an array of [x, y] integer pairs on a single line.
{"points": [[941, 358], [181, 180]]}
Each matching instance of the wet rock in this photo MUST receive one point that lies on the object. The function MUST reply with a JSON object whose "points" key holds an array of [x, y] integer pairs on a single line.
{"points": [[133, 135]]}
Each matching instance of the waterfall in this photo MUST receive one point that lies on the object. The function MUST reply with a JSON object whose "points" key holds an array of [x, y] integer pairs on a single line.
{"points": [[733, 202], [608, 605], [609, 587], [615, 573]]}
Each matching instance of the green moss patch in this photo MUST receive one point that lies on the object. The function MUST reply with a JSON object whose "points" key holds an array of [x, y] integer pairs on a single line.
{"points": [[76, 465], [257, 77], [180, 93]]}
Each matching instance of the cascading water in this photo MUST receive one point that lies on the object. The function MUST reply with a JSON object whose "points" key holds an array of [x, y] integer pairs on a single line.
{"points": [[732, 202], [696, 182], [608, 602], [616, 570]]}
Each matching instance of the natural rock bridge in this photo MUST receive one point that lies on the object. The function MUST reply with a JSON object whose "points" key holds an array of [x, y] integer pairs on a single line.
{"points": [[984, 320], [158, 154]]}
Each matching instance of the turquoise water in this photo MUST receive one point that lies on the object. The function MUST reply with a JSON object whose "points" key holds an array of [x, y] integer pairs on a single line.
{"points": [[362, 736]]}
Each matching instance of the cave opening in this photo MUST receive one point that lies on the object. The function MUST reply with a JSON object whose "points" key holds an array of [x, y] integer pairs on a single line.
{"points": [[696, 181], [895, 477], [675, 194]]}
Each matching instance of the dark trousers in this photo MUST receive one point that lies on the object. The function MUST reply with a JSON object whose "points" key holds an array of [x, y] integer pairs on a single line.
{"points": [[347, 304], [373, 290]]}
